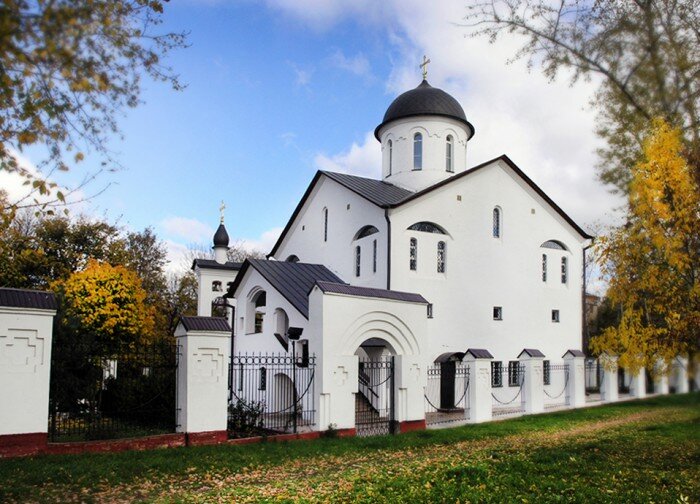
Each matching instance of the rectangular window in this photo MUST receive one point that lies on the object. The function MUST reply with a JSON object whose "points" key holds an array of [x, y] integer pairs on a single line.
{"points": [[374, 256], [325, 224], [430, 310], [497, 313], [546, 372], [413, 255], [441, 253], [513, 373], [496, 374], [258, 322], [544, 267], [358, 261], [263, 379], [563, 270], [555, 315]]}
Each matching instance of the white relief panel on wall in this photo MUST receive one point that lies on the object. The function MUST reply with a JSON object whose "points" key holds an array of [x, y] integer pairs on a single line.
{"points": [[21, 351], [209, 365]]}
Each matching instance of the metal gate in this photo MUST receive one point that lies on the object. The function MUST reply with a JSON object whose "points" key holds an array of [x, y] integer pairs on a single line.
{"points": [[374, 401]]}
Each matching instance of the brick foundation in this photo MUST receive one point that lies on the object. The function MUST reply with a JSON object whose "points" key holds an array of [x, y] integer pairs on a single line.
{"points": [[22, 445], [206, 438], [117, 445], [411, 425]]}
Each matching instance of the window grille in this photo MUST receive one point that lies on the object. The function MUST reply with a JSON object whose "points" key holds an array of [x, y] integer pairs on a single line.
{"points": [[441, 256], [263, 379], [496, 222], [374, 256], [449, 166], [546, 372], [358, 261], [427, 227], [544, 267], [391, 155], [413, 255], [417, 151], [496, 374], [325, 224], [513, 373], [564, 272], [216, 286]]}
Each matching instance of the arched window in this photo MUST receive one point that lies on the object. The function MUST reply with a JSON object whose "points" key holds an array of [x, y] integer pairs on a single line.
{"points": [[365, 231], [544, 267], [258, 302], [496, 222], [417, 151], [374, 256], [564, 270], [292, 258], [441, 256], [325, 224], [427, 227], [390, 144], [554, 245], [413, 255], [358, 261], [216, 286], [281, 322], [449, 149]]}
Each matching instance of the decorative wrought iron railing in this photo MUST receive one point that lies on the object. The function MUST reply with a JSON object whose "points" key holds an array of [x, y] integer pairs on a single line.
{"points": [[446, 393], [270, 393], [556, 386], [593, 377], [508, 400]]}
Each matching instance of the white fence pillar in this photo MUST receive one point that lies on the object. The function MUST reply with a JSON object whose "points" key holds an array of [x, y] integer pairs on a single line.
{"points": [[533, 381], [638, 386], [576, 361], [479, 392], [26, 331], [680, 375], [202, 378], [661, 378], [609, 391]]}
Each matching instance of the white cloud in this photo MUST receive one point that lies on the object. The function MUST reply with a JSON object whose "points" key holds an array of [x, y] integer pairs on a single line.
{"points": [[357, 65], [302, 77], [264, 242], [322, 15], [363, 159], [176, 254], [192, 230]]}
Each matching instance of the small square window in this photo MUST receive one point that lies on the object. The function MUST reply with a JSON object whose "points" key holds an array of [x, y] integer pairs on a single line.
{"points": [[555, 315], [430, 310], [497, 313]]}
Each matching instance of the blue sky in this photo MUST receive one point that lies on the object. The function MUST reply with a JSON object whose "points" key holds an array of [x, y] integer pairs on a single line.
{"points": [[278, 89]]}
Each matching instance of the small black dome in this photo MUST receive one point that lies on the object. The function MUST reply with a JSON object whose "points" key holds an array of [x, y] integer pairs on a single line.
{"points": [[425, 100], [221, 237]]}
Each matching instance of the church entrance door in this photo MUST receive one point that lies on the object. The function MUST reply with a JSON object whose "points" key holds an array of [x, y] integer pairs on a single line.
{"points": [[374, 401]]}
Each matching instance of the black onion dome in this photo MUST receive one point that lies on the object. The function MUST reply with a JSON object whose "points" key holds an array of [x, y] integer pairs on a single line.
{"points": [[425, 100], [221, 237]]}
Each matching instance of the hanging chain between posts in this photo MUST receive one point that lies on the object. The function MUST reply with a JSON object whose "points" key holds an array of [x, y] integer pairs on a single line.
{"points": [[442, 410], [566, 383], [293, 405], [522, 381]]}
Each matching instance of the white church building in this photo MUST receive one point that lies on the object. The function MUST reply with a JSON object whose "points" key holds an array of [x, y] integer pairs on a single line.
{"points": [[435, 259]]}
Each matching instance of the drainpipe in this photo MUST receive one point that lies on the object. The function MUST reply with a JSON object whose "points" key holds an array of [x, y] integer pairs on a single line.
{"points": [[388, 249]]}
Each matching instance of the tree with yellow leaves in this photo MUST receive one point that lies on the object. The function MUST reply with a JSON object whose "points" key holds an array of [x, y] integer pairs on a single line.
{"points": [[106, 304], [653, 260]]}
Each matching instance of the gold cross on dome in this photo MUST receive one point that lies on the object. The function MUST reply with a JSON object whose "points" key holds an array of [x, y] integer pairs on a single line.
{"points": [[424, 66], [221, 210]]}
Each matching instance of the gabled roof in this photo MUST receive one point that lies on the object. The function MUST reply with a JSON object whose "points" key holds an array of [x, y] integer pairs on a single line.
{"points": [[386, 195], [574, 353], [26, 298], [212, 264], [531, 352], [213, 324], [353, 290], [292, 280], [479, 353]]}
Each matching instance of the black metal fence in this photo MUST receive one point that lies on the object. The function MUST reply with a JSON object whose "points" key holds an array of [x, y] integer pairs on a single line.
{"points": [[374, 402], [446, 393], [556, 385], [270, 393], [507, 398], [127, 390], [593, 377], [623, 382]]}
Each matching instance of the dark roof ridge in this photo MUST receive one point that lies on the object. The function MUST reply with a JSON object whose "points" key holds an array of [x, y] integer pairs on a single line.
{"points": [[11, 297], [374, 292]]}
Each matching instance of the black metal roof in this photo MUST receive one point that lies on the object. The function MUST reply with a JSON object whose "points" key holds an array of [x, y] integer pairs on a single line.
{"points": [[218, 324], [574, 353], [424, 100], [378, 192], [26, 298], [221, 236], [353, 290], [293, 280], [479, 353], [531, 352], [449, 356], [212, 264]]}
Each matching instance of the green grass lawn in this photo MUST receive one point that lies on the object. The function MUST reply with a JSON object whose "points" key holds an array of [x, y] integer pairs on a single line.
{"points": [[642, 451]]}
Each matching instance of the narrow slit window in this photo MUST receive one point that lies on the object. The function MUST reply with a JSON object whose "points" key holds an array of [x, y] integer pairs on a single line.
{"points": [[391, 155], [325, 224], [496, 222], [513, 373], [544, 267], [449, 149], [413, 255], [546, 374], [263, 379], [555, 315], [358, 261], [497, 313], [417, 151], [496, 374], [564, 270], [374, 256], [441, 256]]}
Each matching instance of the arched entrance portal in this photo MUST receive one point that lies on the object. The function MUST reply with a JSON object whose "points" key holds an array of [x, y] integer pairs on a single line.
{"points": [[375, 411]]}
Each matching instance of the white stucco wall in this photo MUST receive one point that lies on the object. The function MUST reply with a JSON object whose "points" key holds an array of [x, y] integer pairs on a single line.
{"points": [[483, 272], [205, 278], [25, 364], [435, 131], [347, 213]]}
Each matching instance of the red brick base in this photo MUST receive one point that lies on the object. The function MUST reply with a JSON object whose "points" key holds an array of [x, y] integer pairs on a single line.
{"points": [[117, 445], [206, 438], [411, 425], [22, 445]]}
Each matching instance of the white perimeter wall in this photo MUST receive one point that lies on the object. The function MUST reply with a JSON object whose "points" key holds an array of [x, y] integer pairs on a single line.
{"points": [[483, 272]]}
